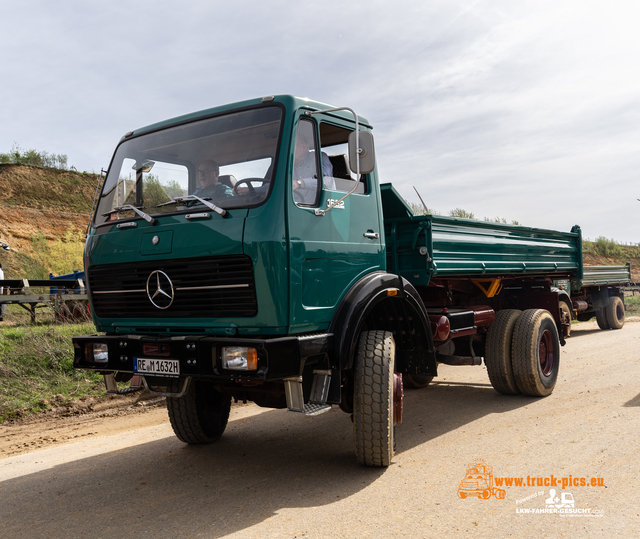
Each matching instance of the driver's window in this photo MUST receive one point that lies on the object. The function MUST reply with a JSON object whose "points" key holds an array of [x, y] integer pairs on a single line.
{"points": [[305, 165]]}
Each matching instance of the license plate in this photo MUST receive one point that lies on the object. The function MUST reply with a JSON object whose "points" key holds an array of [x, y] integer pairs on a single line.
{"points": [[159, 367]]}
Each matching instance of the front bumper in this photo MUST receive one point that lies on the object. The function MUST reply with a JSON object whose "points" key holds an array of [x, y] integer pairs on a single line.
{"points": [[200, 357]]}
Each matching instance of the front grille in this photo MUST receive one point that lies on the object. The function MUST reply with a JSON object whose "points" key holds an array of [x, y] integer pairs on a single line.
{"points": [[211, 287]]}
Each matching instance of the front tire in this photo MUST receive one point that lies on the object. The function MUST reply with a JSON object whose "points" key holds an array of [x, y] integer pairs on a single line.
{"points": [[536, 353], [615, 312], [373, 399], [200, 415]]}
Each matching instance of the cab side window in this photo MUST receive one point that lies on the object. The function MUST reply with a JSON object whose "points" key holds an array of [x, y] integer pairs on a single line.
{"points": [[334, 142], [307, 166]]}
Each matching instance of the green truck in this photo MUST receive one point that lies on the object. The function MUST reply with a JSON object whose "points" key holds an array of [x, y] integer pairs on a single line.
{"points": [[599, 293], [249, 252]]}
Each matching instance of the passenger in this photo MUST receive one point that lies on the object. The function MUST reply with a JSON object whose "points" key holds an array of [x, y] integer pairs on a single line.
{"points": [[208, 173], [305, 177]]}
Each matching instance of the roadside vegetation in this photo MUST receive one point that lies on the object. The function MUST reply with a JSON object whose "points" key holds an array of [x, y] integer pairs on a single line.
{"points": [[61, 256], [36, 366], [18, 156]]}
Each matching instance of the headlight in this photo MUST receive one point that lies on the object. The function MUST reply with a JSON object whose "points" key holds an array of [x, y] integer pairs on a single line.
{"points": [[239, 358], [97, 352]]}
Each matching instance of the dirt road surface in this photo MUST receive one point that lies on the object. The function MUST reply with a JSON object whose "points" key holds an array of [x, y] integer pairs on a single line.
{"points": [[278, 475]]}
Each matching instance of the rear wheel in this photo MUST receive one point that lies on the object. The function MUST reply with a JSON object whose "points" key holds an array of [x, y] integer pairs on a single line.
{"points": [[601, 318], [497, 357], [566, 315], [615, 312], [200, 415], [374, 399], [536, 353]]}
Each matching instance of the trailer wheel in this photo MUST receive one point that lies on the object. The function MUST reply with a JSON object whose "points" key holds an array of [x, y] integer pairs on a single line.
{"points": [[615, 312], [497, 357], [416, 381], [374, 399], [536, 353], [566, 314], [200, 415], [601, 318]]}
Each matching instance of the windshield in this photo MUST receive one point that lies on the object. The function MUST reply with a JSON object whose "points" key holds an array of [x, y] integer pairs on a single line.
{"points": [[227, 160]]}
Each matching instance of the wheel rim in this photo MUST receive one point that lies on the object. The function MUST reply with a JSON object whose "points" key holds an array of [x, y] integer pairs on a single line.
{"points": [[546, 353], [398, 398], [620, 311]]}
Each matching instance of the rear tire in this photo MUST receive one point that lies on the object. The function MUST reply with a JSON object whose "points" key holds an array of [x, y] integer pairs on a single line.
{"points": [[601, 318], [373, 399], [200, 415], [566, 312], [615, 312], [536, 353], [497, 357]]}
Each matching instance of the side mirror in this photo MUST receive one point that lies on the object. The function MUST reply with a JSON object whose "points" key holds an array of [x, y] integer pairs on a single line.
{"points": [[366, 151]]}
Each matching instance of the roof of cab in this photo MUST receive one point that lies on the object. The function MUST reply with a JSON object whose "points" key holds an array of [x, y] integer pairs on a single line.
{"points": [[289, 101]]}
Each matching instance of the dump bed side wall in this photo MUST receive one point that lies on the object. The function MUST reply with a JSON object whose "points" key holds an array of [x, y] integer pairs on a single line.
{"points": [[466, 248], [604, 275]]}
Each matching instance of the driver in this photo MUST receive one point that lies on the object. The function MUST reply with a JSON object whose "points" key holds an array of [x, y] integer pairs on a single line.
{"points": [[208, 173]]}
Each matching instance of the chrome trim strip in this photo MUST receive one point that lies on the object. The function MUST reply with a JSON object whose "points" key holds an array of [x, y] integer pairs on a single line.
{"points": [[213, 287], [181, 288]]}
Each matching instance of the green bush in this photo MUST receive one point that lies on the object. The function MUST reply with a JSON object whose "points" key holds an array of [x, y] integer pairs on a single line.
{"points": [[17, 156], [608, 248]]}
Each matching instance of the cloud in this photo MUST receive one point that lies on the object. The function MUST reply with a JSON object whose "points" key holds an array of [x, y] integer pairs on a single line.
{"points": [[525, 110]]}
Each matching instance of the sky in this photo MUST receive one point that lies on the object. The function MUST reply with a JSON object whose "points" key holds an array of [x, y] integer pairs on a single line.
{"points": [[526, 111]]}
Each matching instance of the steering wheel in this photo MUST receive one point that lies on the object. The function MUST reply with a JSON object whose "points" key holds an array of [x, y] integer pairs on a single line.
{"points": [[248, 181]]}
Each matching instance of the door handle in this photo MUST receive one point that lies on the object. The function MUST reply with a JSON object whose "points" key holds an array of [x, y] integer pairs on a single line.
{"points": [[371, 235]]}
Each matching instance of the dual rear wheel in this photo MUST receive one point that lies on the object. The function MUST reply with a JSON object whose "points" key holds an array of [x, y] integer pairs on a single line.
{"points": [[523, 352]]}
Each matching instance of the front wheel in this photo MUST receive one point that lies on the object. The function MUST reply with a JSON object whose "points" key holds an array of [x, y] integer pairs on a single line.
{"points": [[374, 399], [536, 353], [200, 415]]}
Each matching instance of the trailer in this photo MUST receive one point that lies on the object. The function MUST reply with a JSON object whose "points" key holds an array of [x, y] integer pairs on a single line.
{"points": [[66, 297], [249, 252], [599, 293]]}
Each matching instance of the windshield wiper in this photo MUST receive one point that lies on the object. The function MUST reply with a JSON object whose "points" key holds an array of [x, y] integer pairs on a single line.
{"points": [[193, 198], [146, 217]]}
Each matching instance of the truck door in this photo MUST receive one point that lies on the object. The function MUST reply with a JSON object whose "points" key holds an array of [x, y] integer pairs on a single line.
{"points": [[328, 253]]}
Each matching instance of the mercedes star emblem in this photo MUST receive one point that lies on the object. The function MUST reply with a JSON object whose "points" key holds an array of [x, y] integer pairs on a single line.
{"points": [[160, 289]]}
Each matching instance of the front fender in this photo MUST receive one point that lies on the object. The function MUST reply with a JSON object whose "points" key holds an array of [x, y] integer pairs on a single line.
{"points": [[385, 301]]}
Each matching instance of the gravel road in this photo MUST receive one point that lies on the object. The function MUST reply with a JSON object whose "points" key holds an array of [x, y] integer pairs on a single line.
{"points": [[275, 474]]}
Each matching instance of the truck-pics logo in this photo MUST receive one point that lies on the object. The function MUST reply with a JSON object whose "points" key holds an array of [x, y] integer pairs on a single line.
{"points": [[478, 481]]}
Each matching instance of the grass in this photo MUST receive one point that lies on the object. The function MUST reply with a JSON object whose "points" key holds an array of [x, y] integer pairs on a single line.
{"points": [[632, 304], [36, 366]]}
